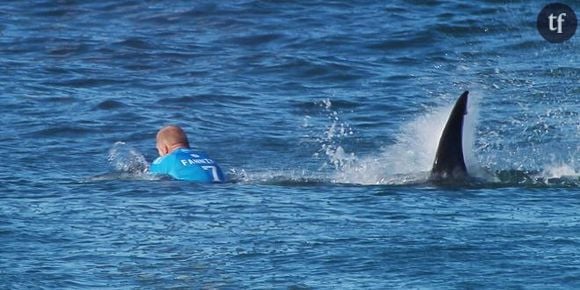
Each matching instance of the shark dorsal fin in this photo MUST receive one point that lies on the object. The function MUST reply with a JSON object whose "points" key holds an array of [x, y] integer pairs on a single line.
{"points": [[449, 162]]}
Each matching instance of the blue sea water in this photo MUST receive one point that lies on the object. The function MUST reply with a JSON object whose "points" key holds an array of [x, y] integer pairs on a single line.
{"points": [[324, 114]]}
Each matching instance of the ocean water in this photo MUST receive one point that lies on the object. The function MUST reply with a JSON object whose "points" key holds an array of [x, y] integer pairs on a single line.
{"points": [[325, 116]]}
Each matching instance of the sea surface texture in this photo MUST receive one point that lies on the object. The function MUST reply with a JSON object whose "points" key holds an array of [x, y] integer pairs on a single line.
{"points": [[325, 116]]}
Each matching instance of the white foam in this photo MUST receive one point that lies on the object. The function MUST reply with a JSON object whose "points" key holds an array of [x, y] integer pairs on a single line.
{"points": [[273, 176], [124, 158], [559, 171]]}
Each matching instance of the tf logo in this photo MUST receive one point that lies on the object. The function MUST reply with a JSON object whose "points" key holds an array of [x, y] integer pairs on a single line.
{"points": [[557, 22]]}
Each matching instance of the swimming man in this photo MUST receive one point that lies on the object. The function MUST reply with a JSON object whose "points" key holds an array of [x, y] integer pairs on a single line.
{"points": [[179, 161]]}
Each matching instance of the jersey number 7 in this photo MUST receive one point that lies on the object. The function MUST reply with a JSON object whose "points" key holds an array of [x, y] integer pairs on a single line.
{"points": [[214, 172]]}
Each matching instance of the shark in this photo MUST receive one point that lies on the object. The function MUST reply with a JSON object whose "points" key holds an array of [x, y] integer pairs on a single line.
{"points": [[449, 163]]}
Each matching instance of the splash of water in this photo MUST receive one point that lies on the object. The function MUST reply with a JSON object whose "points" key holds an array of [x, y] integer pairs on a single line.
{"points": [[124, 158], [332, 137], [410, 158], [561, 169], [330, 151]]}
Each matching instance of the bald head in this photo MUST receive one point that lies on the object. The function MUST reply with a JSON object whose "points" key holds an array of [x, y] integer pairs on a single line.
{"points": [[170, 138]]}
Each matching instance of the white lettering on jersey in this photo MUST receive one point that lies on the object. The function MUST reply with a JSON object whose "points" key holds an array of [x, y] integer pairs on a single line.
{"points": [[187, 162]]}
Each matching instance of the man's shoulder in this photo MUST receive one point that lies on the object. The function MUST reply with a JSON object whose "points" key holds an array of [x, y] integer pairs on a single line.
{"points": [[160, 165], [165, 161], [192, 153], [158, 160]]}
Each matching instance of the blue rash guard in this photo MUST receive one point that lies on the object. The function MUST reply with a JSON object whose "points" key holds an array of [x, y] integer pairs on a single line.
{"points": [[187, 164]]}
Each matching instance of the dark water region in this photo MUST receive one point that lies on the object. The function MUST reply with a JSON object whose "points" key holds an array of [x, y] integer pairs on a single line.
{"points": [[326, 117]]}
